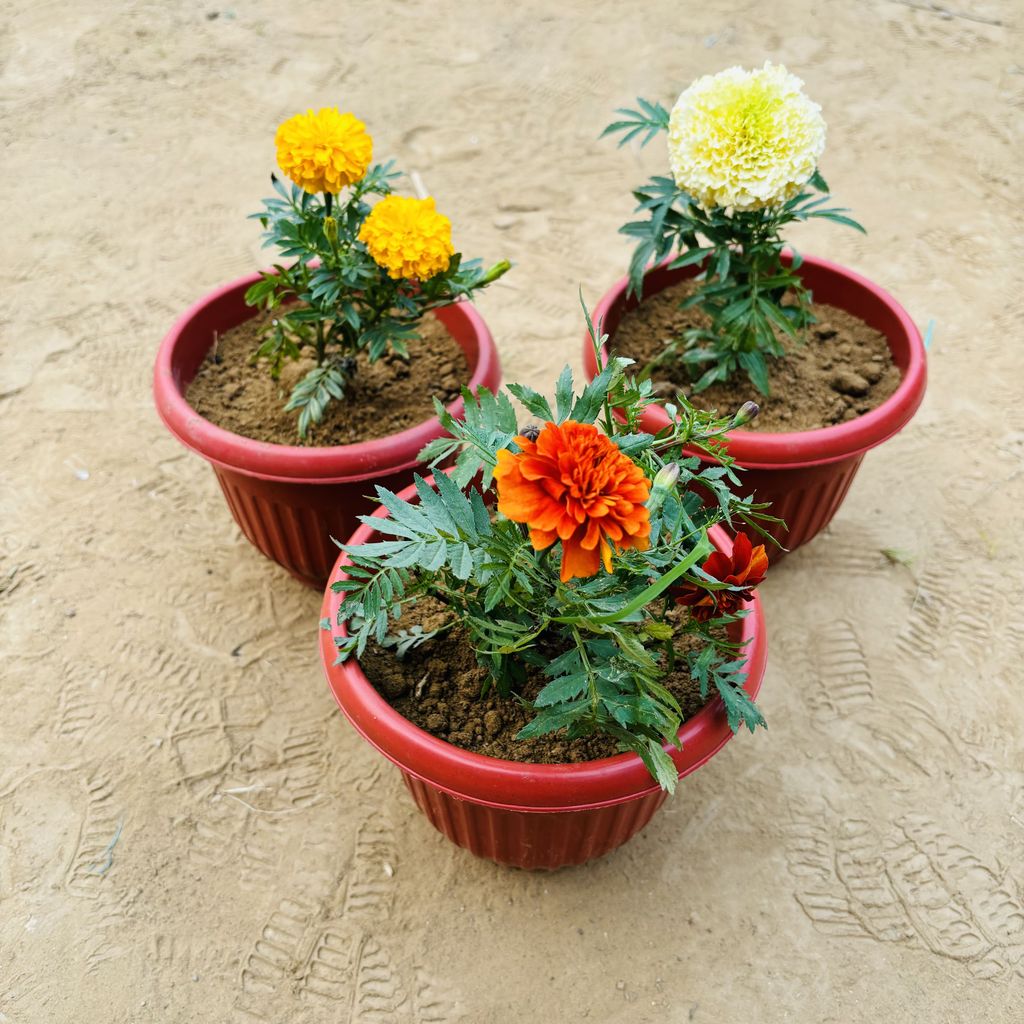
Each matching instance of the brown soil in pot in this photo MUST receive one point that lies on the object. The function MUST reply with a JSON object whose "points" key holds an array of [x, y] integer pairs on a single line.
{"points": [[437, 687], [841, 371], [383, 398]]}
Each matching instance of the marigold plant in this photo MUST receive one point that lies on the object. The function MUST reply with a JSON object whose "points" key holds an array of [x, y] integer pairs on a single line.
{"points": [[565, 549], [360, 276], [743, 147]]}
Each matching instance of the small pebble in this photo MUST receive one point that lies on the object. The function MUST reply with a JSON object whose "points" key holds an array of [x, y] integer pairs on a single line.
{"points": [[849, 382]]}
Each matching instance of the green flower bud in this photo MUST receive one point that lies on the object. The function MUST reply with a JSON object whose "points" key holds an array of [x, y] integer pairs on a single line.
{"points": [[667, 477], [665, 481], [746, 412], [495, 272], [331, 230]]}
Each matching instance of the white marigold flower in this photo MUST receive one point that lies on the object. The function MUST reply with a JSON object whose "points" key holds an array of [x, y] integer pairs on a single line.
{"points": [[745, 139]]}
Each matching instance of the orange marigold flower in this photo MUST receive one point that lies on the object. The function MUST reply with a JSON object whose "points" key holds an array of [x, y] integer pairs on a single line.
{"points": [[745, 569], [572, 484]]}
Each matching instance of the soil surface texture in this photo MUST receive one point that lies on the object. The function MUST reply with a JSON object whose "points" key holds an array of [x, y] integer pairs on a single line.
{"points": [[839, 370], [438, 686], [383, 397]]}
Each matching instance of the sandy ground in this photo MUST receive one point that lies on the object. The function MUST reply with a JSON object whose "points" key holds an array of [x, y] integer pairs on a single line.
{"points": [[189, 832]]}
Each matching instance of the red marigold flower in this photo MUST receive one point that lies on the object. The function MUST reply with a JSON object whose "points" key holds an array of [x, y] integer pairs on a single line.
{"points": [[745, 569], [572, 484]]}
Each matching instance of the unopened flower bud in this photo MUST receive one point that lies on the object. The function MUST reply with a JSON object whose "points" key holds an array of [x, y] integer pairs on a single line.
{"points": [[531, 432], [331, 230], [746, 412], [667, 477], [665, 481], [495, 272]]}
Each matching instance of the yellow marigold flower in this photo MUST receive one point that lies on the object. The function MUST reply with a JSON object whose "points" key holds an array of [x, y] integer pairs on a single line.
{"points": [[745, 139], [325, 151], [408, 237]]}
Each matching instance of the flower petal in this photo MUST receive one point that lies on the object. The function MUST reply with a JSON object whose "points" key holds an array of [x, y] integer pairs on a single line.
{"points": [[577, 561]]}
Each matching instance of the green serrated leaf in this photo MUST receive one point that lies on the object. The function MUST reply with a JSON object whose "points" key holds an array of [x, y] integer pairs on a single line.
{"points": [[659, 764], [563, 395], [554, 718], [757, 370], [564, 688]]}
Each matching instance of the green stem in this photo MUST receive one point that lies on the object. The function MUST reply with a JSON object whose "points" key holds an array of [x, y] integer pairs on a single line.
{"points": [[750, 343], [685, 436], [591, 684], [609, 417], [701, 549], [321, 344]]}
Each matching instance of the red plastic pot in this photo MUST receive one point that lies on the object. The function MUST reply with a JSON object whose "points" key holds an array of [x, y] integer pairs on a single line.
{"points": [[528, 815], [805, 475], [290, 501]]}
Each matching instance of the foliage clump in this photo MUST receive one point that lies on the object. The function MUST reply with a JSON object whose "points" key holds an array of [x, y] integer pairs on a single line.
{"points": [[563, 549], [743, 148], [358, 277]]}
